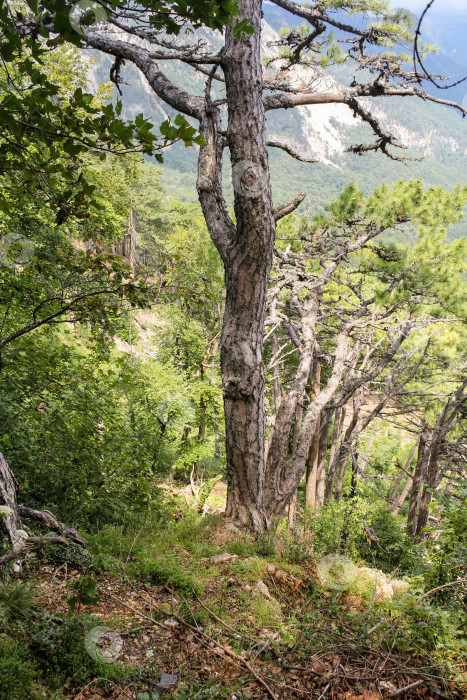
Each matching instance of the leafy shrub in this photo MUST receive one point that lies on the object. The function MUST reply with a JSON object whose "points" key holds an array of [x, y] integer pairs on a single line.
{"points": [[426, 626], [448, 555], [71, 553], [61, 653], [17, 672], [162, 570], [338, 526], [389, 545]]}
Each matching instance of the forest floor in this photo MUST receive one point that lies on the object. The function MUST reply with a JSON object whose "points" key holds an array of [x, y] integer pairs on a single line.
{"points": [[250, 625]]}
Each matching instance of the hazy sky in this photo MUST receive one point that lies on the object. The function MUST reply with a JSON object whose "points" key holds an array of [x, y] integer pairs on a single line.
{"points": [[459, 6]]}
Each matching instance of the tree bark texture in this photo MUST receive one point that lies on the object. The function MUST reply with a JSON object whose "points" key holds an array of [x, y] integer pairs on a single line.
{"points": [[247, 260]]}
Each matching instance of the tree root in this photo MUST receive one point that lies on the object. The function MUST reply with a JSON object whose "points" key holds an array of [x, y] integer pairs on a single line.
{"points": [[11, 526]]}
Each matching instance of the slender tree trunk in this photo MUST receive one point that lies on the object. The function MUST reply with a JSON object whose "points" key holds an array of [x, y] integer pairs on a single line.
{"points": [[337, 429], [405, 492], [247, 260], [417, 484], [355, 472], [201, 432], [323, 446], [313, 454], [132, 234], [393, 502], [366, 456], [430, 485], [292, 514], [276, 389], [276, 381], [345, 449]]}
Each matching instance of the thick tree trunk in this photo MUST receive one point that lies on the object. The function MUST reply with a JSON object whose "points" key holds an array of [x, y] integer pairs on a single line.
{"points": [[247, 260]]}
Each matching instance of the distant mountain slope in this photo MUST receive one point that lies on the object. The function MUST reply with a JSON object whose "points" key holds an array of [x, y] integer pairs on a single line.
{"points": [[437, 133]]}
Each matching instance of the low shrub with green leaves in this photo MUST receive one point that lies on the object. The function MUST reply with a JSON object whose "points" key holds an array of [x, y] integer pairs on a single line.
{"points": [[164, 569], [17, 671], [60, 652]]}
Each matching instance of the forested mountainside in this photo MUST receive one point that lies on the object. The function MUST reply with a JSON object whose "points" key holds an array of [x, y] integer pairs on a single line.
{"points": [[436, 139], [233, 439]]}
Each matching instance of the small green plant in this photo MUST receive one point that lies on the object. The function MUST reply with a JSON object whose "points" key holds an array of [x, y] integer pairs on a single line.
{"points": [[267, 612], [264, 546], [85, 593], [211, 690]]}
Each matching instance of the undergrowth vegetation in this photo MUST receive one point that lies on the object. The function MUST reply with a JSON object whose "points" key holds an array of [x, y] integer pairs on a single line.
{"points": [[176, 550]]}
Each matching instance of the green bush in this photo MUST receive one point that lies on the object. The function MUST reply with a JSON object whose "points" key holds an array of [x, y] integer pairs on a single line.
{"points": [[391, 546], [162, 570], [70, 553], [17, 672], [61, 653]]}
